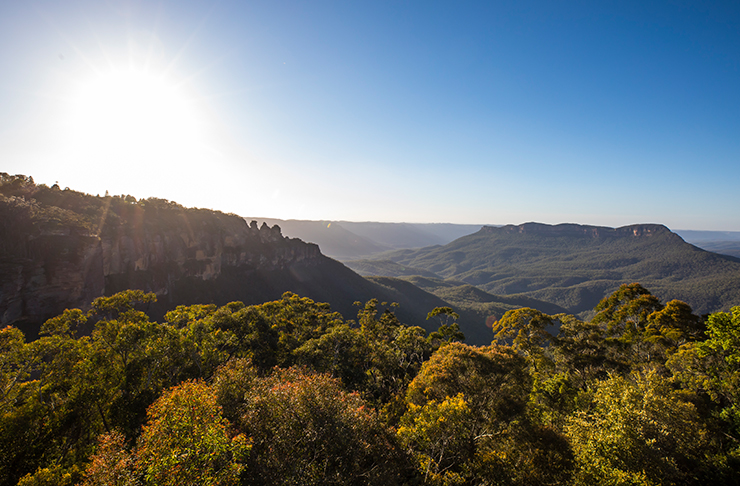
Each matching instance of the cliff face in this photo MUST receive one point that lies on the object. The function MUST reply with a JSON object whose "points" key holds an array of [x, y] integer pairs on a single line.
{"points": [[56, 272], [160, 259], [575, 230], [177, 253]]}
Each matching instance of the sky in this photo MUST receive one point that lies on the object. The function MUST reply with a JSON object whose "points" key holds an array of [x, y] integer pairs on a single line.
{"points": [[499, 112]]}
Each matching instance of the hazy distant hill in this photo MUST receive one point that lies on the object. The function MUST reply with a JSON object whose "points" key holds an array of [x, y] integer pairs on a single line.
{"points": [[574, 266], [724, 242], [333, 238], [346, 241], [387, 268], [731, 248], [411, 235]]}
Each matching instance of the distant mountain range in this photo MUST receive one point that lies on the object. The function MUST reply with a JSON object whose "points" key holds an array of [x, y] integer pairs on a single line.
{"points": [[347, 241], [573, 266], [725, 242]]}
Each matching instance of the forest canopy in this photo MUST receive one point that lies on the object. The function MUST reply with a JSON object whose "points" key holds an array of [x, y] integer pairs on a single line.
{"points": [[289, 392]]}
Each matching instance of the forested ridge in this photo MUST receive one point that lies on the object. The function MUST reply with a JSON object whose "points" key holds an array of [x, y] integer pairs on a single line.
{"points": [[289, 392], [573, 266]]}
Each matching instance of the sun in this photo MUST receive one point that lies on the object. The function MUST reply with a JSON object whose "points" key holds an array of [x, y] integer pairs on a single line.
{"points": [[134, 114]]}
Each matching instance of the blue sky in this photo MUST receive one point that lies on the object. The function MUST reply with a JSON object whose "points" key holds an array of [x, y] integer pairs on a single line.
{"points": [[607, 113]]}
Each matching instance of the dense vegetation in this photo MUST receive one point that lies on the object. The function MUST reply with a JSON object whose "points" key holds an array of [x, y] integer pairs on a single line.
{"points": [[574, 266], [288, 392]]}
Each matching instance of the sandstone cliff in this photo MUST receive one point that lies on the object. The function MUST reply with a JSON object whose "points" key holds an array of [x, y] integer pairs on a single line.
{"points": [[61, 249]]}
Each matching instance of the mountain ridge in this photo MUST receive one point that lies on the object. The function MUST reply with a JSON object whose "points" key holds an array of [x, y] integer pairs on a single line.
{"points": [[574, 266]]}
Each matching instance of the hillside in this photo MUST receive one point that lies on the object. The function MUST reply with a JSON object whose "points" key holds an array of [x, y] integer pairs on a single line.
{"points": [[574, 266], [731, 248]]}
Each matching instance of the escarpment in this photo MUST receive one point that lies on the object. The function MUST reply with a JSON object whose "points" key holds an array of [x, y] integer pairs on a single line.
{"points": [[56, 257]]}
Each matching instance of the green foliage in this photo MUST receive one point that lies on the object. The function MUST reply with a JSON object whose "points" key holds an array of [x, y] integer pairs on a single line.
{"points": [[51, 476], [443, 311], [438, 437], [15, 366], [712, 368], [67, 324], [186, 440], [122, 304], [268, 334], [672, 326], [581, 350], [307, 431], [484, 393], [493, 379], [527, 331], [379, 358], [287, 392], [638, 430], [449, 330], [625, 312], [723, 330]]}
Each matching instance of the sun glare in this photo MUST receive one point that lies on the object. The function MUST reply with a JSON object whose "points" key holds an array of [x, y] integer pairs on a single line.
{"points": [[132, 113]]}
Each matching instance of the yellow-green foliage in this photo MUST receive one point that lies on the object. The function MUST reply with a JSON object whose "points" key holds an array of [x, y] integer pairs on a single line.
{"points": [[289, 393], [638, 430], [438, 436], [186, 440]]}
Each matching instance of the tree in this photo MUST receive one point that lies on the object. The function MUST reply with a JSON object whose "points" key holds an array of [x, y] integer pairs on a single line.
{"points": [[580, 350], [526, 330], [494, 385], [269, 333], [46, 412], [723, 329], [54, 475], [638, 430], [670, 327], [121, 303], [624, 313], [437, 436], [15, 365], [308, 431], [112, 464], [712, 368], [186, 440], [391, 354], [624, 316], [449, 329], [493, 379], [124, 374]]}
